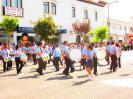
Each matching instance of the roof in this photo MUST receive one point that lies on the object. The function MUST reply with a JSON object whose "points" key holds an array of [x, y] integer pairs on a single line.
{"points": [[99, 3]]}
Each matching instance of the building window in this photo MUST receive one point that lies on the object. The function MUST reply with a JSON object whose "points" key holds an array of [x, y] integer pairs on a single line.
{"points": [[86, 14], [19, 3], [96, 16], [119, 26], [46, 7], [6, 3], [15, 3], [73, 12], [53, 8]]}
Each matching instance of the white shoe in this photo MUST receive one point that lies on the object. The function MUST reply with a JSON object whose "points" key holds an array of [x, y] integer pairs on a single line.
{"points": [[90, 78]]}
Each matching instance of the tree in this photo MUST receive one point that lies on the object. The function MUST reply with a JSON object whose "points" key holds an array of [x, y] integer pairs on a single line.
{"points": [[101, 33], [45, 27], [9, 25], [82, 28]]}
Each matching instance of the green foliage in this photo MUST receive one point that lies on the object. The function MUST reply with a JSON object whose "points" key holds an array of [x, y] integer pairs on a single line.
{"points": [[53, 38], [45, 27], [9, 24], [101, 33], [86, 38]]}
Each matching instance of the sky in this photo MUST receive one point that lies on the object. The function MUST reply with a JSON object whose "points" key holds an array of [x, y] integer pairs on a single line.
{"points": [[123, 9]]}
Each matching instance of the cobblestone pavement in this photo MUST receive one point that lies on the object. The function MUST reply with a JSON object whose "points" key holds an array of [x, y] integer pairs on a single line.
{"points": [[54, 85]]}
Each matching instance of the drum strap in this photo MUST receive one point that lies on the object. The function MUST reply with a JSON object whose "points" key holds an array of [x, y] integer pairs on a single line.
{"points": [[6, 53], [41, 50]]}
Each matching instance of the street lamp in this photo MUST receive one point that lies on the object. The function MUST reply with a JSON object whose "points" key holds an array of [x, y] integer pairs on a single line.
{"points": [[108, 22]]}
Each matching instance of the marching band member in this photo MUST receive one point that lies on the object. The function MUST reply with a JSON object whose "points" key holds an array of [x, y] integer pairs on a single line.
{"points": [[45, 49], [34, 46], [5, 53], [118, 54], [51, 52], [107, 53], [11, 54], [68, 61], [24, 50], [90, 63], [39, 51], [112, 51], [83, 59], [57, 57], [19, 63], [94, 59]]}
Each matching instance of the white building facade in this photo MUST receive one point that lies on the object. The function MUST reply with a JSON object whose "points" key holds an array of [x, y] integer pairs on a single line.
{"points": [[119, 29], [64, 13]]}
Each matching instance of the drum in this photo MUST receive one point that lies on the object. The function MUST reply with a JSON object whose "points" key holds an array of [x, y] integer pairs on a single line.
{"points": [[23, 58], [6, 59], [101, 53], [45, 57], [75, 55]]}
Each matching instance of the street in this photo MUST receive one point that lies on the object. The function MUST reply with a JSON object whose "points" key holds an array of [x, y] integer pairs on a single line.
{"points": [[54, 85]]}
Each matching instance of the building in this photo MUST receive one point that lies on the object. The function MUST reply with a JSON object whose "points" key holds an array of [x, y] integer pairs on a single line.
{"points": [[64, 13], [120, 30]]}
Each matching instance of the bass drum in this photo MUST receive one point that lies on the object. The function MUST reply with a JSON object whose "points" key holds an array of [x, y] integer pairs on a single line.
{"points": [[101, 53], [45, 57], [75, 55]]}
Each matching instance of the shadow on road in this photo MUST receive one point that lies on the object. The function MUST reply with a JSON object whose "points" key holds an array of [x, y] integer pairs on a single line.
{"points": [[125, 74], [80, 83], [61, 78], [105, 73], [8, 75], [26, 77], [83, 76]]}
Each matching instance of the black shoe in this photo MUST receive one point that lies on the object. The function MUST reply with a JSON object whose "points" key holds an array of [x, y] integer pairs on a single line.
{"points": [[114, 70], [57, 70], [72, 70], [66, 74], [40, 73], [96, 74]]}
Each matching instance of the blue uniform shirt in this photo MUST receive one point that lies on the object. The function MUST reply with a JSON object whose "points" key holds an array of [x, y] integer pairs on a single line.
{"points": [[90, 53], [57, 52]]}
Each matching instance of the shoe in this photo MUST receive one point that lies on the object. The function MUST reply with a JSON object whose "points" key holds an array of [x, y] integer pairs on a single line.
{"points": [[114, 70], [40, 73], [66, 74], [96, 74], [90, 78], [72, 70], [56, 70]]}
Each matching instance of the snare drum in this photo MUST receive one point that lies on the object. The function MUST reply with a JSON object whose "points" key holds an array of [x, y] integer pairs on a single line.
{"points": [[45, 57], [6, 59], [23, 58]]}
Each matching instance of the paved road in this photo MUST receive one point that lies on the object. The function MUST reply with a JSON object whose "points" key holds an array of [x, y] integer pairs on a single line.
{"points": [[54, 85]]}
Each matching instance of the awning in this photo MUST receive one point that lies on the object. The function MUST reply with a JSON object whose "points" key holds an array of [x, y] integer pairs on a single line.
{"points": [[61, 31]]}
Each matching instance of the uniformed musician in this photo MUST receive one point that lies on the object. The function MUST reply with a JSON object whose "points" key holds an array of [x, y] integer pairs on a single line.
{"points": [[39, 52]]}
